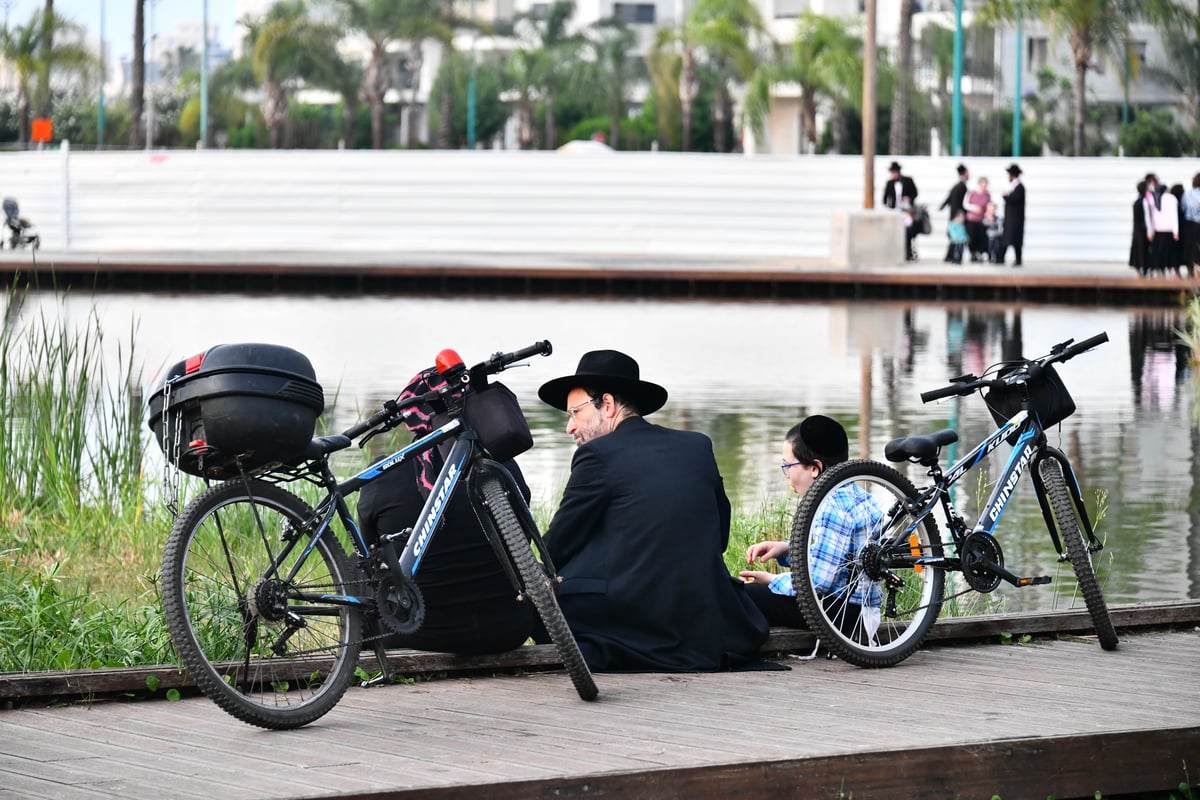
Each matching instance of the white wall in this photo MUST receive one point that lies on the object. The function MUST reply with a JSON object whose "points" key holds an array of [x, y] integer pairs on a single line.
{"points": [[533, 202]]}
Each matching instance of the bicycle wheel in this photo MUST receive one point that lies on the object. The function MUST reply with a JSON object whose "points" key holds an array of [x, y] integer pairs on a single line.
{"points": [[1071, 535], [537, 586], [852, 553], [247, 606]]}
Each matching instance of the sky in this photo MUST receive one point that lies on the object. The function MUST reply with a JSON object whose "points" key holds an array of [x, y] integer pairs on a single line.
{"points": [[118, 17]]}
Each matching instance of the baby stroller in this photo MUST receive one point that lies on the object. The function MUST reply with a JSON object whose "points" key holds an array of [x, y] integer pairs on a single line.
{"points": [[21, 233]]}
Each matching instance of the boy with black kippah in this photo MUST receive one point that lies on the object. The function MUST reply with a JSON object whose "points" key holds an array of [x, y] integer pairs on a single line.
{"points": [[810, 448]]}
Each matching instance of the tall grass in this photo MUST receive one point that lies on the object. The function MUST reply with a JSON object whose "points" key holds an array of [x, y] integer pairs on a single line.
{"points": [[78, 552]]}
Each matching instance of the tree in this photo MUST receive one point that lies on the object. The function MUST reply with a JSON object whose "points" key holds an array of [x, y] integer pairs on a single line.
{"points": [[23, 47], [898, 140], [287, 48], [615, 69], [519, 73], [384, 23], [550, 48], [825, 61], [724, 37], [1093, 29]]}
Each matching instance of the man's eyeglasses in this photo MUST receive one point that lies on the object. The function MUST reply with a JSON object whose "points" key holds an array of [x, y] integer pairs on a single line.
{"points": [[785, 466], [573, 410]]}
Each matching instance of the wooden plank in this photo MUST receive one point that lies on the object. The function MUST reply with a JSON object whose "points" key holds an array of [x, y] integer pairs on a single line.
{"points": [[84, 683], [1075, 766], [753, 732]]}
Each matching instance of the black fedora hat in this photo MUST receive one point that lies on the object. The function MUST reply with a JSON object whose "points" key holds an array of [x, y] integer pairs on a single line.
{"points": [[606, 370], [894, 166], [1013, 170]]}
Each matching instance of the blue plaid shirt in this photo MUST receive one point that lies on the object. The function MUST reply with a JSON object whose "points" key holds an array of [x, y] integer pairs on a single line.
{"points": [[842, 528]]}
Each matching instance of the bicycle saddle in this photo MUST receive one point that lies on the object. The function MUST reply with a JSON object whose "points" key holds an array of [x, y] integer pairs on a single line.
{"points": [[323, 445], [919, 448]]}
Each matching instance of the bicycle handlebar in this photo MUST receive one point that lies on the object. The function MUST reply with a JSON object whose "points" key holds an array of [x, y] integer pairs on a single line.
{"points": [[393, 412], [1061, 352]]}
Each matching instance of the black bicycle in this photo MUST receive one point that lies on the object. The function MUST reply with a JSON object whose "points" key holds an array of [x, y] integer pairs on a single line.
{"points": [[868, 562], [267, 603]]}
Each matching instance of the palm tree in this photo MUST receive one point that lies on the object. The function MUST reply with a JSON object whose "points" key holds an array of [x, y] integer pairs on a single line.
{"points": [[519, 73], [23, 47], [612, 42], [721, 36], [286, 49], [898, 138], [1093, 28], [825, 61], [385, 23], [550, 48]]}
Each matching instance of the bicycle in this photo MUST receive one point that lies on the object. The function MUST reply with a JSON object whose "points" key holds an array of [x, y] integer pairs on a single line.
{"points": [[268, 610], [868, 562]]}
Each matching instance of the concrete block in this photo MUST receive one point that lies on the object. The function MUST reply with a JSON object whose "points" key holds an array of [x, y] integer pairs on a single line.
{"points": [[866, 238]]}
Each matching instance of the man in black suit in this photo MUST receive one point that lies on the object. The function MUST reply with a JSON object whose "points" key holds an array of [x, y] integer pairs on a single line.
{"points": [[900, 192], [1014, 216], [639, 536], [954, 201]]}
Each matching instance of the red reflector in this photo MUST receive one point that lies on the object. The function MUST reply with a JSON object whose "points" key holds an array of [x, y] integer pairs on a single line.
{"points": [[447, 360], [193, 364]]}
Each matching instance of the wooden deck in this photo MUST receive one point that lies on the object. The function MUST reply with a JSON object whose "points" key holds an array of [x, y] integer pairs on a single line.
{"points": [[1056, 716], [540, 274]]}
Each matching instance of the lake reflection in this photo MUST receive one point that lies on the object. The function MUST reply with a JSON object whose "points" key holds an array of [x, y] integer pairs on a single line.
{"points": [[745, 372]]}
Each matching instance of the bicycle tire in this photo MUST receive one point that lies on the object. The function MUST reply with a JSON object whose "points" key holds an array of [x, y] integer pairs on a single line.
{"points": [[537, 586], [840, 623], [1071, 535], [227, 619]]}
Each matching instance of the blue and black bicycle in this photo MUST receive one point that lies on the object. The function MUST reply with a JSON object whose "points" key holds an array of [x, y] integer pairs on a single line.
{"points": [[869, 564], [269, 600]]}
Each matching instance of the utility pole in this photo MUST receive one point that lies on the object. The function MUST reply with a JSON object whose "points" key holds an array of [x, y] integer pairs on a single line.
{"points": [[204, 82], [103, 75], [956, 134], [868, 115]]}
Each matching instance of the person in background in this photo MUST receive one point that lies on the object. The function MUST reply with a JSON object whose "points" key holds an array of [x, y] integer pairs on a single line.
{"points": [[810, 448], [1138, 257], [900, 193], [471, 606], [640, 535], [1162, 226], [1014, 216], [1176, 191], [954, 203], [975, 208], [1190, 235]]}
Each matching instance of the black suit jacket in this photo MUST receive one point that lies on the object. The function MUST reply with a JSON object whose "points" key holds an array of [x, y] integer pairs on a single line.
{"points": [[638, 539], [1014, 215], [954, 200], [908, 188]]}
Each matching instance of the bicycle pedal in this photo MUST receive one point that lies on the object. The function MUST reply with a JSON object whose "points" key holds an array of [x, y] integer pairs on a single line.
{"points": [[1035, 581]]}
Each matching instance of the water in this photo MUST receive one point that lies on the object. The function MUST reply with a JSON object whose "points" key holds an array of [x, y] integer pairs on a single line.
{"points": [[744, 372]]}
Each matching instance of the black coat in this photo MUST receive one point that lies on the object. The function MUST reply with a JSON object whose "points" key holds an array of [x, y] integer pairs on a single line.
{"points": [[1137, 247], [908, 189], [1014, 216], [954, 200], [639, 539], [470, 603]]}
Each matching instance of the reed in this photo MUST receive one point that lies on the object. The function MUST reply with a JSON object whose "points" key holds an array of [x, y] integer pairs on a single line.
{"points": [[79, 547]]}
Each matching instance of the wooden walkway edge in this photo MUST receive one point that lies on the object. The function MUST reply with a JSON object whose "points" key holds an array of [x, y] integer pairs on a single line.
{"points": [[1054, 717], [67, 684]]}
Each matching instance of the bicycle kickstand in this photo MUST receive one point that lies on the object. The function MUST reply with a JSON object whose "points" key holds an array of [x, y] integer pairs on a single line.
{"points": [[386, 673]]}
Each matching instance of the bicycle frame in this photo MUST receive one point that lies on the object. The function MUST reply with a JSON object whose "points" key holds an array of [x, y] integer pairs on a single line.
{"points": [[1030, 449]]}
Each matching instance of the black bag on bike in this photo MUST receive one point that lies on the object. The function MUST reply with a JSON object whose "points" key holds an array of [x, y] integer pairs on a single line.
{"points": [[496, 416], [1048, 398], [236, 407]]}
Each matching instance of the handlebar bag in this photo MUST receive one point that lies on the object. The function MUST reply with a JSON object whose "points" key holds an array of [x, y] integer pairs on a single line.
{"points": [[496, 416], [1048, 398]]}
